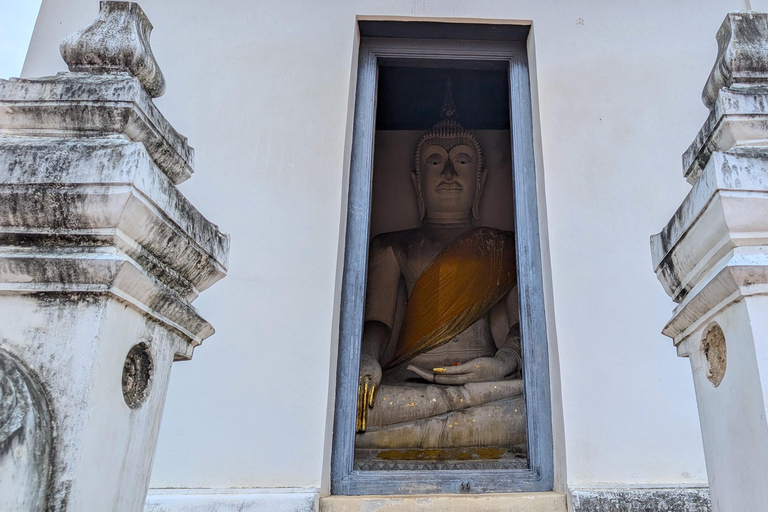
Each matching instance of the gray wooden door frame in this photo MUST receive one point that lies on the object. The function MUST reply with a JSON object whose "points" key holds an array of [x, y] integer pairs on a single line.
{"points": [[345, 480]]}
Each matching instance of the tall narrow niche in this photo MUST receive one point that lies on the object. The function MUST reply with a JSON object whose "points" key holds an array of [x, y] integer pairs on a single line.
{"points": [[425, 309]]}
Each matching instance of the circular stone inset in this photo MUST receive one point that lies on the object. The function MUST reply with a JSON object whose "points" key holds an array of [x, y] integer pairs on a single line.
{"points": [[137, 375], [713, 346]]}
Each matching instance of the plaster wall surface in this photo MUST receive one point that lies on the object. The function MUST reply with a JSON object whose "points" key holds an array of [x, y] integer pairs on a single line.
{"points": [[264, 92]]}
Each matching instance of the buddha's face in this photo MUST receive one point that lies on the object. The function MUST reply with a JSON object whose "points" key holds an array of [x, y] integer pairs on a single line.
{"points": [[448, 175]]}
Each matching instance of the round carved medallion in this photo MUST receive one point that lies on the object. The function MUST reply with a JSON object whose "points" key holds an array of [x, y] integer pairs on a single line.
{"points": [[137, 375], [713, 346]]}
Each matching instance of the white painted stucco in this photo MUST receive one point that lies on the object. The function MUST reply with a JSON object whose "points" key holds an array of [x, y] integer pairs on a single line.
{"points": [[263, 91]]}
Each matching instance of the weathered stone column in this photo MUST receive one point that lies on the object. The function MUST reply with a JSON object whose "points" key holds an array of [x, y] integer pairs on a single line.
{"points": [[712, 258], [100, 258]]}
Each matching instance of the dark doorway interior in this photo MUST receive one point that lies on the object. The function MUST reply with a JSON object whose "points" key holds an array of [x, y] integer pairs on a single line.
{"points": [[410, 98]]}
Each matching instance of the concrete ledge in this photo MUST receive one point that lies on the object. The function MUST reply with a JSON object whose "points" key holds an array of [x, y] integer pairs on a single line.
{"points": [[85, 104], [641, 499], [519, 502], [257, 500]]}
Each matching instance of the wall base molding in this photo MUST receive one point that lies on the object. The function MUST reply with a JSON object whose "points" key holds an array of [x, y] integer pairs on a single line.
{"points": [[585, 499], [640, 499], [232, 500]]}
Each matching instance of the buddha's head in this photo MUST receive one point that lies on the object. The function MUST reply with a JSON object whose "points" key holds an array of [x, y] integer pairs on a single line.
{"points": [[448, 174]]}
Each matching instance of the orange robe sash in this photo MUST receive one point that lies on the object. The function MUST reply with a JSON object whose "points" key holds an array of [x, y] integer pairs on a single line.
{"points": [[460, 285]]}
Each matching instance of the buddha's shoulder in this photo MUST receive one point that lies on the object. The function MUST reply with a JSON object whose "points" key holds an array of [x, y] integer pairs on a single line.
{"points": [[396, 239], [411, 237], [487, 232]]}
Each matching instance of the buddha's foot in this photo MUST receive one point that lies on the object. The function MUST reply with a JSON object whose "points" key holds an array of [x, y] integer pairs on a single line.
{"points": [[496, 423], [402, 403]]}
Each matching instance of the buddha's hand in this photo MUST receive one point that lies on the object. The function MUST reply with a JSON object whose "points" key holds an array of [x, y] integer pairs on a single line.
{"points": [[368, 384], [481, 369]]}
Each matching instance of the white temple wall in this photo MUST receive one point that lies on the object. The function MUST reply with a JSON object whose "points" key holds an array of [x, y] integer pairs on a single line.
{"points": [[264, 92]]}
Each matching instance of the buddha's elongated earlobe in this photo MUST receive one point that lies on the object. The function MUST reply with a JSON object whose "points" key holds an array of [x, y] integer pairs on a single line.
{"points": [[478, 193], [419, 198]]}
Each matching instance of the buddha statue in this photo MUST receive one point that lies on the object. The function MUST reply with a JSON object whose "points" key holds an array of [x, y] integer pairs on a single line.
{"points": [[435, 376]]}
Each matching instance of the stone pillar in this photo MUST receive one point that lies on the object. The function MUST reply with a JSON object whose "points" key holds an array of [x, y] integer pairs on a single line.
{"points": [[712, 258], [100, 259]]}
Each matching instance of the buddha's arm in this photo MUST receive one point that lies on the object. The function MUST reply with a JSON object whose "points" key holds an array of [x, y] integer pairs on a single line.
{"points": [[510, 348], [380, 306], [381, 298], [375, 337]]}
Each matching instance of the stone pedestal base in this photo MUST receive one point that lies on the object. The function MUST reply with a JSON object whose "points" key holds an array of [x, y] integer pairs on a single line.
{"points": [[522, 502]]}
